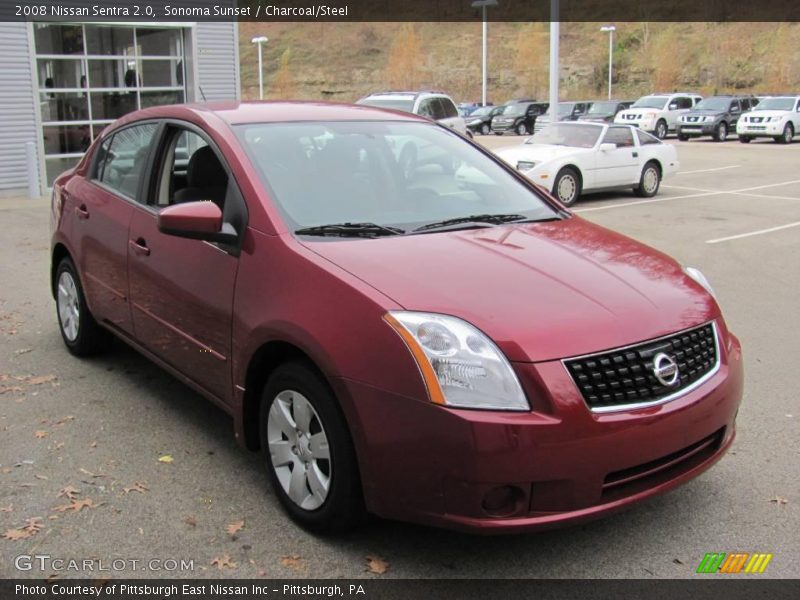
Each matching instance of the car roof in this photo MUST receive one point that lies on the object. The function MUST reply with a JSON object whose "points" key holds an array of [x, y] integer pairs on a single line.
{"points": [[235, 113]]}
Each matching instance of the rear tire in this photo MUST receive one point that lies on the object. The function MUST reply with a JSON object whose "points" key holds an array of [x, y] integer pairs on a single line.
{"points": [[308, 451], [649, 182], [567, 186], [522, 129], [485, 129], [80, 332]]}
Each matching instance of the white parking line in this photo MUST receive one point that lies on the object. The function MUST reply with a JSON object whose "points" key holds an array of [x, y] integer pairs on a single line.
{"points": [[707, 170], [698, 195], [767, 196], [683, 187], [752, 233]]}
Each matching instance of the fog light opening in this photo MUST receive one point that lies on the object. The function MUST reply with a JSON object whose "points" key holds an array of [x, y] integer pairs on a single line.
{"points": [[502, 501]]}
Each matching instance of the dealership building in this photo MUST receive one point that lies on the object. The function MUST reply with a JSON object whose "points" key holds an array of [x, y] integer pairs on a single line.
{"points": [[62, 82]]}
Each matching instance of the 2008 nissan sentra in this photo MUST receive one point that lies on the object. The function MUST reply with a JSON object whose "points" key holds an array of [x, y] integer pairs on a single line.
{"points": [[401, 323]]}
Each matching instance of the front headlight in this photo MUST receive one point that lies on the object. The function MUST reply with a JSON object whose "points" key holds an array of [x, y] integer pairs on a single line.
{"points": [[461, 366], [525, 165], [698, 276]]}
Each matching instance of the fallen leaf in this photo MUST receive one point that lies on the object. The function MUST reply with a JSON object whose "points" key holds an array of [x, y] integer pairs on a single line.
{"points": [[223, 562], [233, 528], [779, 500], [41, 477], [136, 486], [16, 534], [40, 434], [23, 350], [7, 509], [33, 525], [93, 445], [294, 561], [39, 380], [68, 492], [677, 561], [165, 459], [190, 521], [375, 564], [76, 505], [13, 388], [90, 474], [66, 419]]}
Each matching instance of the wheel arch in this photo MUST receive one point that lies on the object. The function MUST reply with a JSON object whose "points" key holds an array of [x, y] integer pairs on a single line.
{"points": [[60, 252]]}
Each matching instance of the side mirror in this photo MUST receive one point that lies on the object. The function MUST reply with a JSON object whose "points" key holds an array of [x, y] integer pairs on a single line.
{"points": [[607, 147], [673, 106], [197, 221]]}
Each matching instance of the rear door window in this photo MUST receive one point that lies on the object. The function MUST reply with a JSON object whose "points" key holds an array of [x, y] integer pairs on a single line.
{"points": [[621, 136], [438, 109], [448, 107], [121, 164]]}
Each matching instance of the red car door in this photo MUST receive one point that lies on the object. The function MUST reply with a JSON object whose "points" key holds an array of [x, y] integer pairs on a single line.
{"points": [[182, 289], [101, 207]]}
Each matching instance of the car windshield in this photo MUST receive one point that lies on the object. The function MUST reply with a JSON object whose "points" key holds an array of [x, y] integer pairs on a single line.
{"points": [[603, 108], [388, 174], [776, 104], [404, 104], [482, 111], [714, 104], [514, 109], [651, 102], [577, 136]]}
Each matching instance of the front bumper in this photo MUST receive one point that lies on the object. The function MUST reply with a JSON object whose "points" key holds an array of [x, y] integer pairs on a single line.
{"points": [[424, 463], [760, 129], [696, 129]]}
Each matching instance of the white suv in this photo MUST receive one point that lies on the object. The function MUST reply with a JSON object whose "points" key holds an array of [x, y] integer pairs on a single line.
{"points": [[658, 113], [777, 117], [434, 105]]}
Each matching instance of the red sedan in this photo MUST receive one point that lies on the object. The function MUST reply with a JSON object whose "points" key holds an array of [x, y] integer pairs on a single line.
{"points": [[402, 324]]}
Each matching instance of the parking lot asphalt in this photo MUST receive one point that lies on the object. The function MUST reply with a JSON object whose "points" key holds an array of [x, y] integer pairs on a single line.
{"points": [[103, 427]]}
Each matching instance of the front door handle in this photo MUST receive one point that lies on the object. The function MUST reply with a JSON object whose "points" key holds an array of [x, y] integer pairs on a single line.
{"points": [[139, 247], [635, 155], [82, 211]]}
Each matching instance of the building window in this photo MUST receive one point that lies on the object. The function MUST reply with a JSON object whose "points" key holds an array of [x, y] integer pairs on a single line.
{"points": [[90, 75]]}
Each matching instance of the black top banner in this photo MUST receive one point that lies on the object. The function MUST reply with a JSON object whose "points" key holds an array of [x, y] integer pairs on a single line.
{"points": [[157, 11]]}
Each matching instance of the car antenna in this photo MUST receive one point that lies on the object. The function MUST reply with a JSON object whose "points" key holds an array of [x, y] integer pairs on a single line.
{"points": [[202, 94]]}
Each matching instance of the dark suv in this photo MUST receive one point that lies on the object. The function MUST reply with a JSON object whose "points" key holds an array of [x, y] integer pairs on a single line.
{"points": [[715, 116], [519, 117], [604, 111]]}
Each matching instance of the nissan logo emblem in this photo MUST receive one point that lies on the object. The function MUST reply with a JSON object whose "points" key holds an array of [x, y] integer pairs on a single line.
{"points": [[665, 369]]}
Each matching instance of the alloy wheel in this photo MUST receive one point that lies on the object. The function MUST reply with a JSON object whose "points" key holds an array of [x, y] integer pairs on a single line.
{"points": [[68, 301], [299, 450]]}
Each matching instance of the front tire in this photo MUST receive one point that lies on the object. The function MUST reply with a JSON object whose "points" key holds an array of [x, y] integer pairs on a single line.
{"points": [[745, 139], [787, 135], [308, 451], [567, 186], [485, 129], [661, 129], [682, 137], [721, 132], [649, 181], [80, 332]]}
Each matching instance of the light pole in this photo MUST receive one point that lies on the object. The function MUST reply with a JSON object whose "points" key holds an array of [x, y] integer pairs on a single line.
{"points": [[260, 41], [483, 5], [554, 41], [610, 29]]}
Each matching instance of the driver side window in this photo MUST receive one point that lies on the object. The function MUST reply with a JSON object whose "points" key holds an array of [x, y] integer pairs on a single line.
{"points": [[621, 136], [191, 172]]}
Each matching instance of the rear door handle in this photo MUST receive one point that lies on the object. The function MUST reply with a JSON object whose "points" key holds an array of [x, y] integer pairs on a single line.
{"points": [[82, 211], [139, 247]]}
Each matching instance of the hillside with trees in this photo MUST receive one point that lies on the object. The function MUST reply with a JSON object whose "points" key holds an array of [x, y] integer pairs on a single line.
{"points": [[344, 61]]}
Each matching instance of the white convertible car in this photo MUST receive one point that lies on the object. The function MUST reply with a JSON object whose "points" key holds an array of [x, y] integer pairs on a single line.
{"points": [[570, 159]]}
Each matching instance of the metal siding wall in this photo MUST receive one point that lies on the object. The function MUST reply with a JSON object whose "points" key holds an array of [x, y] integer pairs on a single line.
{"points": [[217, 64], [17, 107]]}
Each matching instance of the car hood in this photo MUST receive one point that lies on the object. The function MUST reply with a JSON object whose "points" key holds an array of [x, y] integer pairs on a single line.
{"points": [[640, 111], [767, 113], [537, 153], [541, 291], [705, 113]]}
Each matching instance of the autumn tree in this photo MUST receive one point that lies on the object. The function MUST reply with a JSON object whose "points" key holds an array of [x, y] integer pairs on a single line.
{"points": [[531, 61], [284, 87], [403, 68]]}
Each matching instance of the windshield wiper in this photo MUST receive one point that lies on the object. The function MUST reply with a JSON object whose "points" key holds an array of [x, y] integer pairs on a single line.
{"points": [[481, 220], [350, 230]]}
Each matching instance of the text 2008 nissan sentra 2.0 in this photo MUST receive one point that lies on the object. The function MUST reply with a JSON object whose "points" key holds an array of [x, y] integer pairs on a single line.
{"points": [[401, 323]]}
